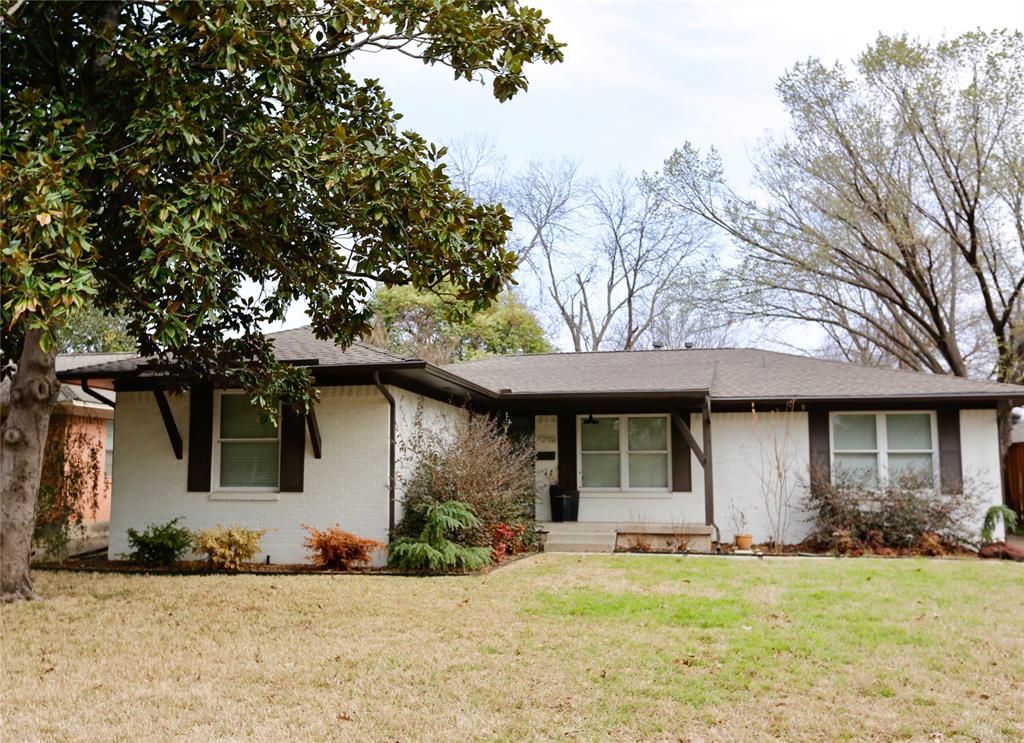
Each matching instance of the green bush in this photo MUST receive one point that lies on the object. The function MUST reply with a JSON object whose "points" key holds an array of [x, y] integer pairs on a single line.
{"points": [[895, 515], [159, 544], [435, 550], [227, 548], [992, 518], [478, 463]]}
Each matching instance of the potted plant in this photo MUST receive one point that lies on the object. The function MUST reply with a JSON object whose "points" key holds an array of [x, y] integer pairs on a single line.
{"points": [[565, 503], [744, 541]]}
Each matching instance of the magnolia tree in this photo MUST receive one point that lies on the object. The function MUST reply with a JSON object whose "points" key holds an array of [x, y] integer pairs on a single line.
{"points": [[197, 167]]}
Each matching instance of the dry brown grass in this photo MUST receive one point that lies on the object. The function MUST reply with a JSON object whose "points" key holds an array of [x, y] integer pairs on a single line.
{"points": [[554, 647]]}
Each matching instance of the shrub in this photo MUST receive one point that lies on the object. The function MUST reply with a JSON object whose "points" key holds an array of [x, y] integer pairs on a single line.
{"points": [[992, 518], [434, 549], [159, 544], [227, 548], [335, 549], [896, 515], [508, 539], [478, 464]]}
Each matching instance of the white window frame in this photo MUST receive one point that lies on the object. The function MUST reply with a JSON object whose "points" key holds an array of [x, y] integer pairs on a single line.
{"points": [[217, 441], [108, 450], [882, 451], [624, 453]]}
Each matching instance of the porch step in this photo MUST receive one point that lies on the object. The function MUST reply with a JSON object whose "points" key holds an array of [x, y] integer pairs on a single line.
{"points": [[577, 536], [580, 541]]}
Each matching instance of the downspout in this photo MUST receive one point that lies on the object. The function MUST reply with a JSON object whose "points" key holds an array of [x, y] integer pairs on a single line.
{"points": [[391, 450], [94, 394]]}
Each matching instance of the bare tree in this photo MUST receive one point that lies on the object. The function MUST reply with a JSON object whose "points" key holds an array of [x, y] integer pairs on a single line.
{"points": [[476, 168], [894, 211], [605, 253], [692, 313]]}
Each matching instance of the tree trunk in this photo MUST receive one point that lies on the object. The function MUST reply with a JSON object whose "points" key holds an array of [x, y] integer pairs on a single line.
{"points": [[34, 390]]}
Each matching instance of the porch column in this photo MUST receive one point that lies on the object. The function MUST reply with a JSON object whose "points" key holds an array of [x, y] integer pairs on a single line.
{"points": [[709, 485]]}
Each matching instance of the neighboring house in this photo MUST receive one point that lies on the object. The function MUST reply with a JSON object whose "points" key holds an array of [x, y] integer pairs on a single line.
{"points": [[1015, 464], [630, 430], [90, 419]]}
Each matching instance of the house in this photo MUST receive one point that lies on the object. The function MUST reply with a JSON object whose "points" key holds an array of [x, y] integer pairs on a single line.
{"points": [[84, 421], [688, 439]]}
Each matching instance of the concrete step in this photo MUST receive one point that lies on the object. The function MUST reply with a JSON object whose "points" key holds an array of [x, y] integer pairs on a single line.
{"points": [[580, 541]]}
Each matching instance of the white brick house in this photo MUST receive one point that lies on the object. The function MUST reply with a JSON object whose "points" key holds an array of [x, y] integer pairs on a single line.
{"points": [[630, 431]]}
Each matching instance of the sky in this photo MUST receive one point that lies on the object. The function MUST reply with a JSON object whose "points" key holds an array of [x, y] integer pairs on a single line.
{"points": [[641, 78]]}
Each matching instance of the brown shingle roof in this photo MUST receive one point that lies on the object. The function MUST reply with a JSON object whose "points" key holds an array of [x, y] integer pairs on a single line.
{"points": [[297, 344], [728, 373], [66, 362]]}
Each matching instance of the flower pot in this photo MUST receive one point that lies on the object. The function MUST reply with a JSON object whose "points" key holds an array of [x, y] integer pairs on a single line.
{"points": [[744, 541]]}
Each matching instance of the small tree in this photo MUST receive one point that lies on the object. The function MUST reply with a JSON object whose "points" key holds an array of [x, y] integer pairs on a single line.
{"points": [[778, 481]]}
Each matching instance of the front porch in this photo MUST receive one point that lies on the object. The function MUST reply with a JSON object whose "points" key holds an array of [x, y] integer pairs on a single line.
{"points": [[607, 536]]}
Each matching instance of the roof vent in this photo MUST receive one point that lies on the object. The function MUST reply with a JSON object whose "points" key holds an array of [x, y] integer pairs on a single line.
{"points": [[505, 390], [688, 344], [657, 345]]}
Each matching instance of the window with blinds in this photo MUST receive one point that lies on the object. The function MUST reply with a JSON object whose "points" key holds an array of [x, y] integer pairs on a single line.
{"points": [[248, 445]]}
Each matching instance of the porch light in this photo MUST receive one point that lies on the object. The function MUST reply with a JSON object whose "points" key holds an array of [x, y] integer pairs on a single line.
{"points": [[590, 420]]}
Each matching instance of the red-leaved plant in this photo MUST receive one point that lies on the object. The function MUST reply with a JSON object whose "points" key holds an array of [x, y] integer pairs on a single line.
{"points": [[508, 539]]}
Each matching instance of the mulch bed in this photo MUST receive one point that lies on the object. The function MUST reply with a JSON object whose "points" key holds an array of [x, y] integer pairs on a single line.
{"points": [[200, 567], [930, 545]]}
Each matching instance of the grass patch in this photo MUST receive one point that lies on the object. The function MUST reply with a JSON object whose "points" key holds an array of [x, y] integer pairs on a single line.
{"points": [[677, 610], [557, 646]]}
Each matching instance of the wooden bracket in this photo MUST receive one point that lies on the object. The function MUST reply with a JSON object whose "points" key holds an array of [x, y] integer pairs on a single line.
{"points": [[314, 432], [169, 424], [684, 430]]}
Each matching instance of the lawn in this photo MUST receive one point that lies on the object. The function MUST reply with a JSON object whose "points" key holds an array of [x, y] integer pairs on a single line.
{"points": [[553, 647]]}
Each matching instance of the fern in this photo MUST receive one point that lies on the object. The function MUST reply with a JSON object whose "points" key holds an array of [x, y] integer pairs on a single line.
{"points": [[992, 517], [433, 551]]}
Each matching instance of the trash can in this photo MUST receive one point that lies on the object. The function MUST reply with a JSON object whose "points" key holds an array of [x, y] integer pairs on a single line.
{"points": [[572, 505], [565, 504]]}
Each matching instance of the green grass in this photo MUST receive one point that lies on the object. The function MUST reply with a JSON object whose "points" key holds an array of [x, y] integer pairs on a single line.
{"points": [[553, 647]]}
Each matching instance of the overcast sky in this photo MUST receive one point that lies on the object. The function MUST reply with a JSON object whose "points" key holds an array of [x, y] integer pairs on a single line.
{"points": [[640, 78]]}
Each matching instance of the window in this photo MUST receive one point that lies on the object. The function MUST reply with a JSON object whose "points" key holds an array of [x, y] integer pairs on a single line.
{"points": [[247, 445], [878, 448], [624, 452], [108, 453]]}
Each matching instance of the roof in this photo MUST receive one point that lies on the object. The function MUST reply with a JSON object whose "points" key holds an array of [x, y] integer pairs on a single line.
{"points": [[736, 374], [67, 362], [297, 345], [725, 374]]}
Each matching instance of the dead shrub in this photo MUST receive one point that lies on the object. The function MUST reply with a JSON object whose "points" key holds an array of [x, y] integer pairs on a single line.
{"points": [[334, 549]]}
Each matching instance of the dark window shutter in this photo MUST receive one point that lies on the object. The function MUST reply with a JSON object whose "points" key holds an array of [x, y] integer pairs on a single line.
{"points": [[682, 478], [200, 438], [293, 450], [950, 461], [567, 450], [821, 455]]}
